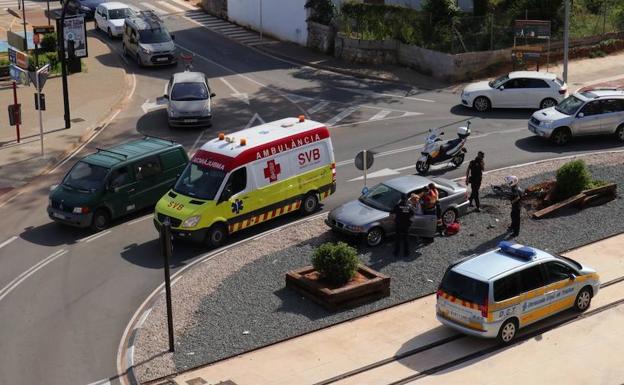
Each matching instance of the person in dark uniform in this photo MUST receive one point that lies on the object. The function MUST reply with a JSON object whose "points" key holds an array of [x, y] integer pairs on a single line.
{"points": [[516, 197], [402, 214], [474, 175]]}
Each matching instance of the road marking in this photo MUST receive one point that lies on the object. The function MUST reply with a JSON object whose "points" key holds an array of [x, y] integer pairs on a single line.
{"points": [[317, 107], [341, 116], [380, 115], [377, 174], [148, 106], [185, 4], [143, 318], [380, 120], [368, 92], [253, 119], [239, 95], [194, 148], [294, 98], [10, 199], [32, 270], [153, 8], [8, 241], [94, 236], [172, 7], [148, 216], [105, 381]]}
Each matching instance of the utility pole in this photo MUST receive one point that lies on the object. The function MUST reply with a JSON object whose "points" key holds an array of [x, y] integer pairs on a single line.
{"points": [[566, 40], [260, 10], [165, 247], [24, 23], [61, 39]]}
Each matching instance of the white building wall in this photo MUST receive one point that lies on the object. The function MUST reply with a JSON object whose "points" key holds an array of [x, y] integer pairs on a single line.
{"points": [[284, 19]]}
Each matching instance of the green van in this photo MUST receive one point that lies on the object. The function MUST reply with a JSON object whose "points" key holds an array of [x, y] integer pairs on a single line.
{"points": [[114, 182]]}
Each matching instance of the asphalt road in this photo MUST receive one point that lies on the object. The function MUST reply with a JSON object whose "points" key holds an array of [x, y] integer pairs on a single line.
{"points": [[66, 296]]}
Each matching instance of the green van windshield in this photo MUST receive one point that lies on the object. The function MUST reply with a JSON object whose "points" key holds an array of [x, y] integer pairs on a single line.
{"points": [[86, 177]]}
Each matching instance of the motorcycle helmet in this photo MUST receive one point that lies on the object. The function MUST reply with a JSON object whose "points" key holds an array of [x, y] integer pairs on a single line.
{"points": [[511, 180], [463, 132]]}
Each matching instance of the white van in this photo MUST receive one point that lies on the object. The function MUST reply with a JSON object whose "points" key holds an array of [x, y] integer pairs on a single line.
{"points": [[497, 293], [248, 177]]}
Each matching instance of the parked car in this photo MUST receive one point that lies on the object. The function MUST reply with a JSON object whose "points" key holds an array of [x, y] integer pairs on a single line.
{"points": [[87, 7], [519, 89], [188, 98], [495, 294], [114, 182], [584, 113], [110, 18], [146, 39], [369, 217]]}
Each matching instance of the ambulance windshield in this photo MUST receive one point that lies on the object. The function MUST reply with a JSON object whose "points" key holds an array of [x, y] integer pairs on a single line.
{"points": [[199, 181]]}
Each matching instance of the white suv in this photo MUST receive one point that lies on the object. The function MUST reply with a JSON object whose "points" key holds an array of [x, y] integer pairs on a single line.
{"points": [[584, 113], [519, 89]]}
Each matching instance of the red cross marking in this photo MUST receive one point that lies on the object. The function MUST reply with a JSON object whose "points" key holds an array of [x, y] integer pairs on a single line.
{"points": [[272, 170]]}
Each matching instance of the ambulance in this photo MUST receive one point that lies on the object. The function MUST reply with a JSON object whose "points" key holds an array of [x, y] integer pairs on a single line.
{"points": [[248, 177]]}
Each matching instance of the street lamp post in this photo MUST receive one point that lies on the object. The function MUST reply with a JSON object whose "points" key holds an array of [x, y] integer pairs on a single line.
{"points": [[24, 23], [566, 38], [61, 39]]}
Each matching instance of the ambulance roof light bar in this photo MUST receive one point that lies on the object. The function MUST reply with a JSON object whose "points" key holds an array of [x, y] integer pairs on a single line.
{"points": [[516, 250]]}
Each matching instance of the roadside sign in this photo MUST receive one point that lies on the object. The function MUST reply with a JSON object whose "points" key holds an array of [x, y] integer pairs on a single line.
{"points": [[74, 29], [37, 39], [359, 160], [534, 29], [43, 29], [39, 101], [43, 73], [15, 114], [18, 58], [19, 75], [16, 40]]}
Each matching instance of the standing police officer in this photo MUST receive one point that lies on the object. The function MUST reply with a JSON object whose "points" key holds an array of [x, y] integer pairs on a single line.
{"points": [[516, 197], [474, 175], [402, 213]]}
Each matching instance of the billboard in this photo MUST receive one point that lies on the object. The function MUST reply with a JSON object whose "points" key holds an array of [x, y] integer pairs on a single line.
{"points": [[74, 29], [533, 29]]}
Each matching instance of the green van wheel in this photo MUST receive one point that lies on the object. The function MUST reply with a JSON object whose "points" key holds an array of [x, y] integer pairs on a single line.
{"points": [[101, 220]]}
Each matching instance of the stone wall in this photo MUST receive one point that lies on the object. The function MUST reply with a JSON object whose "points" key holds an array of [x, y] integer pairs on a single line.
{"points": [[373, 52], [321, 37], [217, 8]]}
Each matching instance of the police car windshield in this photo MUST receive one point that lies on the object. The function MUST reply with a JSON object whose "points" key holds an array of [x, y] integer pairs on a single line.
{"points": [[154, 36], [85, 177], [199, 181], [187, 91], [464, 288], [381, 197]]}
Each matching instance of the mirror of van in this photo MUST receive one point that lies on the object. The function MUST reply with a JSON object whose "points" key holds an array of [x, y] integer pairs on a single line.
{"points": [[212, 95], [501, 88], [571, 276], [172, 37], [580, 115], [53, 187], [162, 100], [226, 194]]}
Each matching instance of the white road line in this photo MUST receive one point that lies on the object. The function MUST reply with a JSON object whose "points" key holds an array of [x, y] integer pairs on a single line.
{"points": [[247, 39], [317, 107], [381, 114], [94, 236], [10, 199], [154, 8], [171, 7], [143, 318], [199, 137], [341, 116], [105, 381], [32, 270], [185, 4], [253, 119], [148, 216], [8, 241], [241, 34], [370, 121], [231, 87]]}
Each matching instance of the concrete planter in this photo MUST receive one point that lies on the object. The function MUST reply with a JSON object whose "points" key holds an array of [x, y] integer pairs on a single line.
{"points": [[321, 37], [367, 285]]}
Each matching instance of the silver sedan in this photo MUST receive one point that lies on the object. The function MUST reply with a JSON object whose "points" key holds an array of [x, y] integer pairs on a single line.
{"points": [[369, 215]]}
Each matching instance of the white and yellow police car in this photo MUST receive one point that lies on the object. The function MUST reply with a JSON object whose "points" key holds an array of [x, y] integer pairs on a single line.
{"points": [[499, 292]]}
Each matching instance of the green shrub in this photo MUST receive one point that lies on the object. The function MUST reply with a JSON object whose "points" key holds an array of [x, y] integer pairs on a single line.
{"points": [[596, 184], [321, 11], [48, 43], [4, 62], [335, 262], [572, 178]]}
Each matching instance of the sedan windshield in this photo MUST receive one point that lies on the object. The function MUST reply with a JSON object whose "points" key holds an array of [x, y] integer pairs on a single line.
{"points": [[199, 182], [189, 91], [381, 197], [569, 105], [86, 177], [154, 36], [120, 13], [499, 81]]}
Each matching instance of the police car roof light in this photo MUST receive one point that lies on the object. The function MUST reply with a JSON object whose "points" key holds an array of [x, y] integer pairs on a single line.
{"points": [[516, 249]]}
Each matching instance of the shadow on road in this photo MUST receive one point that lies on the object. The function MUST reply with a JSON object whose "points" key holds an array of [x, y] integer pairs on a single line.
{"points": [[498, 113], [537, 144]]}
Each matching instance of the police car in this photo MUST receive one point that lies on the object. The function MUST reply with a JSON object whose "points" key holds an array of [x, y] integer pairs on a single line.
{"points": [[499, 292]]}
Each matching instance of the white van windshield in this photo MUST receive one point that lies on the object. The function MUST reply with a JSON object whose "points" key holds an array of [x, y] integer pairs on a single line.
{"points": [[199, 181]]}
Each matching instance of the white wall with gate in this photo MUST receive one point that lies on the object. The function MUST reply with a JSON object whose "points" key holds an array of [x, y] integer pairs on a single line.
{"points": [[284, 19]]}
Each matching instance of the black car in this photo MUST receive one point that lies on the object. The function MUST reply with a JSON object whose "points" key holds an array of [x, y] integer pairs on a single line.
{"points": [[87, 7]]}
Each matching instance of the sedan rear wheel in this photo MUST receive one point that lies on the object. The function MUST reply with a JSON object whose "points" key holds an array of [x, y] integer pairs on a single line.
{"points": [[374, 236], [449, 216], [548, 102]]}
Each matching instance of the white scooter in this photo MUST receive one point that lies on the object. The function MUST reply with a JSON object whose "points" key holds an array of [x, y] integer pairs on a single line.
{"points": [[436, 151]]}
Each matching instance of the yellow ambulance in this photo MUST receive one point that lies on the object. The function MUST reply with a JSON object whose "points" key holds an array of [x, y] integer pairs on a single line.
{"points": [[241, 179]]}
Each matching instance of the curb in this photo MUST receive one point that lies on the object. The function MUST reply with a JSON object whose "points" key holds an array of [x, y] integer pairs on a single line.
{"points": [[152, 299]]}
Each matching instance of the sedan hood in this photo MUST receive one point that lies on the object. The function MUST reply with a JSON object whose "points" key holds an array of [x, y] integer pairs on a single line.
{"points": [[549, 114], [118, 22], [478, 86], [189, 105], [356, 213], [159, 47]]}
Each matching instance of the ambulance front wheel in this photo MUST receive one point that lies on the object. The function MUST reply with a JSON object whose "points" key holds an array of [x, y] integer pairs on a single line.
{"points": [[216, 236], [309, 204]]}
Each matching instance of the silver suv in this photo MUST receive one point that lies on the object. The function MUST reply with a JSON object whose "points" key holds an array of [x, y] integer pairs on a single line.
{"points": [[583, 113], [146, 39]]}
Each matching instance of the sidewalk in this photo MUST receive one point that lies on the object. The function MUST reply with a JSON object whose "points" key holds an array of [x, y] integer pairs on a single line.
{"points": [[93, 95], [370, 340]]}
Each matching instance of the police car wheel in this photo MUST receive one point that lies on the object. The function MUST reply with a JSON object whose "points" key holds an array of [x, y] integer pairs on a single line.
{"points": [[216, 236], [449, 216], [507, 331], [374, 236], [309, 204], [101, 220], [583, 300]]}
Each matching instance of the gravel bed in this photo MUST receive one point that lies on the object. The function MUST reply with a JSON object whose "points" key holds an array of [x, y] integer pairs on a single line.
{"points": [[238, 300]]}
